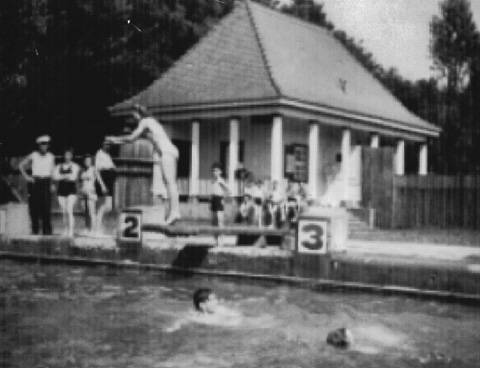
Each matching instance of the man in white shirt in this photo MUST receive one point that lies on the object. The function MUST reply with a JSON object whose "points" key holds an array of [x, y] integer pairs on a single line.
{"points": [[42, 164], [149, 128]]}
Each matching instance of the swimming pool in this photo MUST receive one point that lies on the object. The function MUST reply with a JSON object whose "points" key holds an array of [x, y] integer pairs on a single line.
{"points": [[61, 316]]}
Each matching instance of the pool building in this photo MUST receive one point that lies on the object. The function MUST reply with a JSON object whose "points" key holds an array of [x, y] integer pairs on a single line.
{"points": [[285, 99]]}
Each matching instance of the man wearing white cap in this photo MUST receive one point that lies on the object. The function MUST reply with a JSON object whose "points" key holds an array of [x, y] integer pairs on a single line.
{"points": [[42, 164]]}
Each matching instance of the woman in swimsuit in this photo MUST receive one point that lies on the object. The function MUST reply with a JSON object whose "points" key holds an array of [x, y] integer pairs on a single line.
{"points": [[88, 177], [66, 174]]}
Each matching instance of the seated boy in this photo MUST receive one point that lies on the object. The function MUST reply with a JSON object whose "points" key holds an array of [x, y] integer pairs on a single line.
{"points": [[246, 212], [258, 201], [277, 208], [292, 205]]}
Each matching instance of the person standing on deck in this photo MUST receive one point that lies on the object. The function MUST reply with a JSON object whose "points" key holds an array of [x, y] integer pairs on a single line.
{"points": [[42, 163], [105, 183], [150, 128], [219, 190], [88, 178], [66, 174]]}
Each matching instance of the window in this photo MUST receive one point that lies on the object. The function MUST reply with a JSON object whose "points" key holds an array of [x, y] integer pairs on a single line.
{"points": [[296, 162]]}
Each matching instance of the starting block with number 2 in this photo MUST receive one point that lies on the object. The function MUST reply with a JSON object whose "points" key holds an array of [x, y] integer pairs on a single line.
{"points": [[130, 227]]}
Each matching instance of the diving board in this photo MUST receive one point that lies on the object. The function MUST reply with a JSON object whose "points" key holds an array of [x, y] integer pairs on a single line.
{"points": [[245, 234], [192, 230]]}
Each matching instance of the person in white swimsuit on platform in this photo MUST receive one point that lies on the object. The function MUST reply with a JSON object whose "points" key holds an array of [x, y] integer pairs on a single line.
{"points": [[150, 128]]}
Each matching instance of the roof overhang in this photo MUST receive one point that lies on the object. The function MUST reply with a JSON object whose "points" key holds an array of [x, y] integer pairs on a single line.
{"points": [[293, 108]]}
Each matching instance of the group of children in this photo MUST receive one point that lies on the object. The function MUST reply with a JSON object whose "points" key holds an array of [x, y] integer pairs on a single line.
{"points": [[261, 204], [270, 204], [94, 180]]}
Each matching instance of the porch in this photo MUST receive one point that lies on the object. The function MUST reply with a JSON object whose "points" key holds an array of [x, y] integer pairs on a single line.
{"points": [[326, 158]]}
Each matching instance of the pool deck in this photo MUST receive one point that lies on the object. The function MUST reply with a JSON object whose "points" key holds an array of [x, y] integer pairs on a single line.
{"points": [[428, 270]]}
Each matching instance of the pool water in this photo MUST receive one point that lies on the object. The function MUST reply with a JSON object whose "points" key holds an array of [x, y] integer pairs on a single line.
{"points": [[61, 316]]}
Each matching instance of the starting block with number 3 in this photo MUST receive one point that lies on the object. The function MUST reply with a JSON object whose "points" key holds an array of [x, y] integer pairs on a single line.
{"points": [[313, 235], [322, 230], [130, 227]]}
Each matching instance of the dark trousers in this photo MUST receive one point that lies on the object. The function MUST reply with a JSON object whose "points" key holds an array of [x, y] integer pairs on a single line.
{"points": [[39, 205]]}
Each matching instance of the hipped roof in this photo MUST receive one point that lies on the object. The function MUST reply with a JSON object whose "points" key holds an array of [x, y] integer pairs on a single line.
{"points": [[256, 54]]}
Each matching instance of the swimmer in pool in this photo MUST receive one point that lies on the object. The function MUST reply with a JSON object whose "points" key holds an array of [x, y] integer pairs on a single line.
{"points": [[205, 301], [208, 311]]}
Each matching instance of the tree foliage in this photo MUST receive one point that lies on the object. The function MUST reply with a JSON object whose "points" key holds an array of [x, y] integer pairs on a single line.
{"points": [[454, 42], [455, 47], [62, 62]]}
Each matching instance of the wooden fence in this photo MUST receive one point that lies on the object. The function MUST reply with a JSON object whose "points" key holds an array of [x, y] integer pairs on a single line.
{"points": [[413, 201], [436, 200], [377, 183]]}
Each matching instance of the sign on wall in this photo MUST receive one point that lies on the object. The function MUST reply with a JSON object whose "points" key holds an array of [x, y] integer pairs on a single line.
{"points": [[296, 162], [312, 235], [130, 226]]}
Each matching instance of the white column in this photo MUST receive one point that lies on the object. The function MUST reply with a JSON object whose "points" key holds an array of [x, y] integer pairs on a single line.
{"points": [[195, 159], [276, 149], [423, 160], [400, 157], [374, 141], [345, 166], [233, 153], [313, 152]]}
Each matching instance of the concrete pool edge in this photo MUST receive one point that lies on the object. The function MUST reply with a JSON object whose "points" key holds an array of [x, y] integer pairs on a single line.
{"points": [[315, 284], [448, 281]]}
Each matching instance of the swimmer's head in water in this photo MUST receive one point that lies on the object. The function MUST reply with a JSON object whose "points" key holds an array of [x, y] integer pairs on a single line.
{"points": [[205, 300]]}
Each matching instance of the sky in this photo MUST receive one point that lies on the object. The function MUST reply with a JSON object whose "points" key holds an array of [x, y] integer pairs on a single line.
{"points": [[396, 32]]}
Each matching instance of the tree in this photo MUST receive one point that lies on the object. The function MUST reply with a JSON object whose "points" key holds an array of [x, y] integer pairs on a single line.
{"points": [[62, 62], [454, 42], [308, 10], [455, 45]]}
